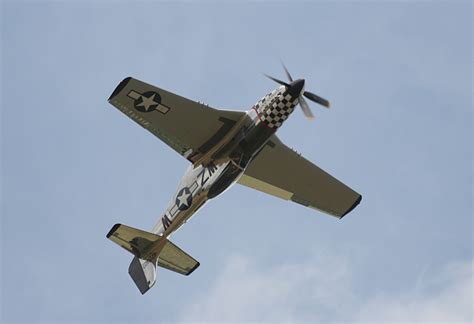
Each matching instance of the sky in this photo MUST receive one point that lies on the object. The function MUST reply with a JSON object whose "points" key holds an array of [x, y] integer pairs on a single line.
{"points": [[399, 77]]}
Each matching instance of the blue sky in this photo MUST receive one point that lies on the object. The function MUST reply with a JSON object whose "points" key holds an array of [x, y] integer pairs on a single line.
{"points": [[399, 77]]}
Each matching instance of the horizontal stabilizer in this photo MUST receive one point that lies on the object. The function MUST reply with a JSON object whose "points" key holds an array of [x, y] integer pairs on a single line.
{"points": [[150, 250], [175, 259], [133, 240]]}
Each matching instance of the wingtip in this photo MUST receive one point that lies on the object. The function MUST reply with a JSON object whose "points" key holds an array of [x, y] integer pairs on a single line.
{"points": [[119, 88], [354, 205], [194, 268], [113, 230]]}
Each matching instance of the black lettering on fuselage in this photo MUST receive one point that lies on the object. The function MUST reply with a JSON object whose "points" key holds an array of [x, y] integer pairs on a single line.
{"points": [[201, 175], [166, 221], [211, 168]]}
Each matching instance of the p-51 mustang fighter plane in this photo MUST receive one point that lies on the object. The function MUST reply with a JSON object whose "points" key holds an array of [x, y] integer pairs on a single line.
{"points": [[223, 147]]}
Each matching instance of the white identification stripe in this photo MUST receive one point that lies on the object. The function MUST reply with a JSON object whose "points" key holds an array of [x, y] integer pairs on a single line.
{"points": [[265, 187]]}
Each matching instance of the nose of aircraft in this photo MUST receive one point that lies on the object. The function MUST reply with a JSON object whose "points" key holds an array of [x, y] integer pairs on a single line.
{"points": [[296, 87]]}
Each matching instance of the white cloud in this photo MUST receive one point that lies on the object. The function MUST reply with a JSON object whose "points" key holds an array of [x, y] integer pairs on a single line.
{"points": [[321, 289], [445, 296]]}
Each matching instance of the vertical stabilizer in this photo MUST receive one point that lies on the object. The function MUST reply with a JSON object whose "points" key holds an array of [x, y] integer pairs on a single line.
{"points": [[143, 273]]}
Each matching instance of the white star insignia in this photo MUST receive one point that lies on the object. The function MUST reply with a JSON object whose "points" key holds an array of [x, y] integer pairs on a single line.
{"points": [[183, 199], [147, 102]]}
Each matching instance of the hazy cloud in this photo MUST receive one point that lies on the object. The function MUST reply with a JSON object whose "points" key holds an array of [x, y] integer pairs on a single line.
{"points": [[321, 289]]}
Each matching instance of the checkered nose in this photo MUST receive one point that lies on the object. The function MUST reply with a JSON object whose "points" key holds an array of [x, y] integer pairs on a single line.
{"points": [[296, 87], [295, 90]]}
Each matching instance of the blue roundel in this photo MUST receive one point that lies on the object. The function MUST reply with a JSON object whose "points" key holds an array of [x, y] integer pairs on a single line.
{"points": [[184, 199], [147, 101]]}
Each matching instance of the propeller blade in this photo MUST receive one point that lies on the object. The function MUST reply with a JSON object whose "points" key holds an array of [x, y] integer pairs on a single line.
{"points": [[276, 80], [317, 99], [288, 75], [304, 106]]}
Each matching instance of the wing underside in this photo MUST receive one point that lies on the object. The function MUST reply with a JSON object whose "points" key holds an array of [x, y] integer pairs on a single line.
{"points": [[188, 127], [281, 172]]}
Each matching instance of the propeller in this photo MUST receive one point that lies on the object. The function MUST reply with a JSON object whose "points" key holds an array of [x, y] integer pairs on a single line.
{"points": [[309, 95], [288, 75], [277, 81]]}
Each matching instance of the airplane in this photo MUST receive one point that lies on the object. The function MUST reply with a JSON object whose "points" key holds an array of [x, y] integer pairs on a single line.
{"points": [[223, 147]]}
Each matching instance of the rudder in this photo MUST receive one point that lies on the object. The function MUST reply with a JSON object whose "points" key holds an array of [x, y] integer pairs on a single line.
{"points": [[143, 273]]}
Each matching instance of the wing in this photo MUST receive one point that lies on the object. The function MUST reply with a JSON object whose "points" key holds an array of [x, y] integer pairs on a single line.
{"points": [[281, 172], [189, 127]]}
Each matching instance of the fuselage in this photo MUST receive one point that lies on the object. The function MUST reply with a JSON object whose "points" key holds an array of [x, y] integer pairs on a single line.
{"points": [[204, 181]]}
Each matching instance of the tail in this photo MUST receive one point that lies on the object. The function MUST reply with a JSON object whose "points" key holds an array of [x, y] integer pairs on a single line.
{"points": [[143, 273], [150, 250]]}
